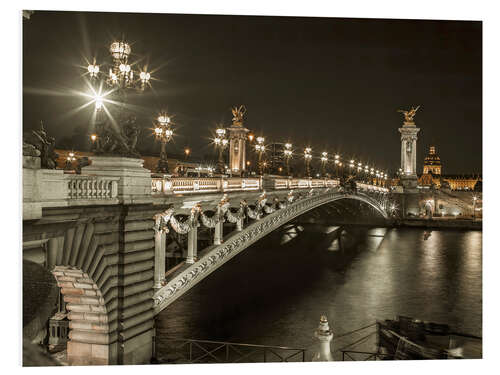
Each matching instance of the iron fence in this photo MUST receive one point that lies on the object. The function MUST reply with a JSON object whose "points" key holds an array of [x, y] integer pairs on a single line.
{"points": [[179, 350]]}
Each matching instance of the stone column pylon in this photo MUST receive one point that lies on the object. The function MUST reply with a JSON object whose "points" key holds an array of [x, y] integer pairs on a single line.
{"points": [[159, 267], [409, 154], [237, 142], [192, 244]]}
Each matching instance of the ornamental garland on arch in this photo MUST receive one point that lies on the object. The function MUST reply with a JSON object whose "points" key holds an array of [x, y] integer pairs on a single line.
{"points": [[223, 213]]}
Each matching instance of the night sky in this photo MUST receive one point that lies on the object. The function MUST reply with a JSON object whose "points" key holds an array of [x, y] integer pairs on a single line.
{"points": [[332, 84]]}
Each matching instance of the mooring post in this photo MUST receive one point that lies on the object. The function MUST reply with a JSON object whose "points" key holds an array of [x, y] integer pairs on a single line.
{"points": [[325, 336]]}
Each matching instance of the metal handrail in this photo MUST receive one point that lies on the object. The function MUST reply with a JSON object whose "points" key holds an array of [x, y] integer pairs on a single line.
{"points": [[211, 354]]}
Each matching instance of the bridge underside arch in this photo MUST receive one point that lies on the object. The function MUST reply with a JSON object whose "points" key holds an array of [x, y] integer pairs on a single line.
{"points": [[345, 211]]}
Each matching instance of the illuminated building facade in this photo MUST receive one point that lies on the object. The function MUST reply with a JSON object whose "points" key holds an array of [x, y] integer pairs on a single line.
{"points": [[432, 175]]}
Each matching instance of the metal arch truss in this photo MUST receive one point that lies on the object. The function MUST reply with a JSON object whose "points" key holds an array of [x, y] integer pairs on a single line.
{"points": [[282, 212]]}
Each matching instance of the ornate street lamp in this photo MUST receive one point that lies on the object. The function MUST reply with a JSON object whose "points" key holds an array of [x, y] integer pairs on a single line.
{"points": [[221, 143], [163, 133], [120, 78], [69, 161], [337, 164], [260, 148], [324, 159], [307, 160]]}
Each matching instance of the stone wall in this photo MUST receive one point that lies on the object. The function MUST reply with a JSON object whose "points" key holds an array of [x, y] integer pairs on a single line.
{"points": [[443, 203], [107, 251]]}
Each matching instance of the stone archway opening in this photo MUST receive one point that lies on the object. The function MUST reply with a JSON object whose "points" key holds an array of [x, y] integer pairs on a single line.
{"points": [[84, 306]]}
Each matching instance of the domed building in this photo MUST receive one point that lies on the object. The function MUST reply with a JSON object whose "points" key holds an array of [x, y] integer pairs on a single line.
{"points": [[432, 175], [432, 170], [432, 162]]}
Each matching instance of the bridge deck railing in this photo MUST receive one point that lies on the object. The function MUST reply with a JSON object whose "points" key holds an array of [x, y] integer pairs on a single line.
{"points": [[193, 185]]}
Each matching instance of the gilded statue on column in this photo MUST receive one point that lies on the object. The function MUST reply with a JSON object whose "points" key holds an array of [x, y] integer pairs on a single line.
{"points": [[409, 115], [238, 113]]}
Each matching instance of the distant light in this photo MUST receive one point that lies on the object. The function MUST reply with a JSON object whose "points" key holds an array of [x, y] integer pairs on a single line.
{"points": [[93, 137]]}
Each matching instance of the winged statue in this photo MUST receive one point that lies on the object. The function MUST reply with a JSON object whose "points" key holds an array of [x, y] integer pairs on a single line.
{"points": [[238, 113], [409, 115]]}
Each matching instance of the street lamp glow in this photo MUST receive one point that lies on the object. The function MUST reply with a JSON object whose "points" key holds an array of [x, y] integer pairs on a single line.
{"points": [[98, 102], [163, 119], [93, 137], [93, 70], [288, 146], [221, 132], [260, 140], [337, 156], [144, 76]]}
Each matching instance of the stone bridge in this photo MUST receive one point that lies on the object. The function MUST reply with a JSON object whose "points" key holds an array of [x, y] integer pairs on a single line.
{"points": [[103, 236]]}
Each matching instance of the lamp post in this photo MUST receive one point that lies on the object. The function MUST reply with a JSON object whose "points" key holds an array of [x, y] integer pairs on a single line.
{"points": [[221, 143], [163, 132], [337, 164], [260, 148], [474, 199], [120, 78], [324, 159], [288, 154], [307, 160], [351, 166], [69, 161]]}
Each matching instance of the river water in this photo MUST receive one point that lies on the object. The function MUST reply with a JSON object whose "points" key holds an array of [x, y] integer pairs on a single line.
{"points": [[274, 292]]}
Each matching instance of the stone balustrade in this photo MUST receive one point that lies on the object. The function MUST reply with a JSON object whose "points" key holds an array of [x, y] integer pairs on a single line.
{"points": [[190, 185], [368, 187], [92, 187]]}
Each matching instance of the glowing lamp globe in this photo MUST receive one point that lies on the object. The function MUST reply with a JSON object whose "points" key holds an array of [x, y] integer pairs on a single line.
{"points": [[120, 50]]}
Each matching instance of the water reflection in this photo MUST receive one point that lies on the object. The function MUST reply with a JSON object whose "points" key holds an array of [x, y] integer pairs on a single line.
{"points": [[274, 294]]}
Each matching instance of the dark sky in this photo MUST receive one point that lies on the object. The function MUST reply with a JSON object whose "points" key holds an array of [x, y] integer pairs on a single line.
{"points": [[334, 84]]}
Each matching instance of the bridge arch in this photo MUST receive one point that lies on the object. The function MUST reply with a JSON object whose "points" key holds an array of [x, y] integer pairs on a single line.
{"points": [[215, 256], [88, 317]]}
